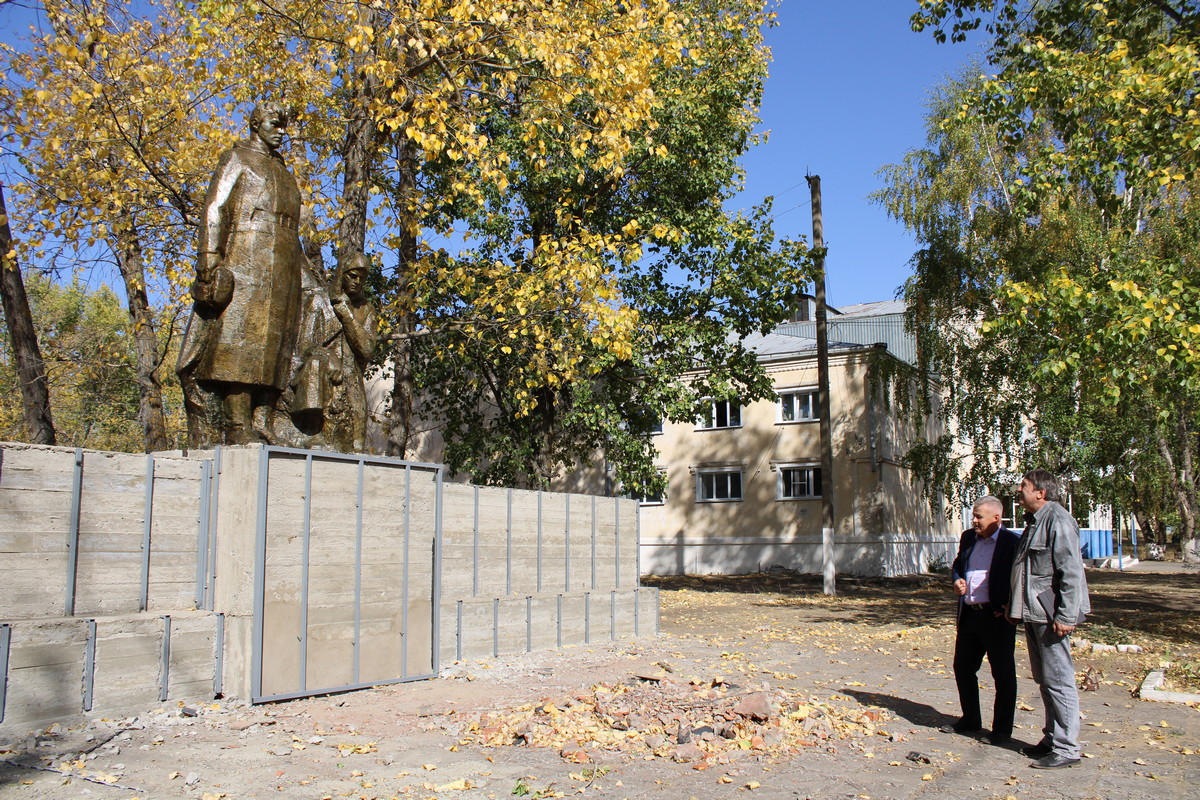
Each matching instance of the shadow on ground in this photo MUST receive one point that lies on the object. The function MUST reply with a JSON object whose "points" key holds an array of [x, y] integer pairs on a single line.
{"points": [[917, 713], [1160, 605]]}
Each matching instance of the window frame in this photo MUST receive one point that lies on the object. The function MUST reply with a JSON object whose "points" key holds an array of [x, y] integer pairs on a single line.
{"points": [[814, 470], [661, 500], [797, 391], [709, 421], [702, 473]]}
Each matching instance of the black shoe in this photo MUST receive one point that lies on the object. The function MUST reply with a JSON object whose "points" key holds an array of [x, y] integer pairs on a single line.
{"points": [[1036, 750], [961, 729], [1054, 761], [996, 739]]}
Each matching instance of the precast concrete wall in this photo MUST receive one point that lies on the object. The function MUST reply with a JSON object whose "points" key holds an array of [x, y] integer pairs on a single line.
{"points": [[529, 570], [105, 558], [265, 573]]}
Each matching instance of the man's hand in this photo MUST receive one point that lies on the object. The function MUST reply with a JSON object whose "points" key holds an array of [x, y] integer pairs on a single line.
{"points": [[960, 587], [1062, 629]]}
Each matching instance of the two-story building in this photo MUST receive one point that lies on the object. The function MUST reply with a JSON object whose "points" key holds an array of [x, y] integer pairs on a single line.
{"points": [[745, 480]]}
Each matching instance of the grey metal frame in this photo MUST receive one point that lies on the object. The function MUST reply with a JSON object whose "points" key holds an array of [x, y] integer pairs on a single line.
{"points": [[539, 540], [164, 677], [5, 646], [508, 542], [260, 543], [147, 523], [203, 528], [89, 665], [219, 645], [214, 491], [594, 585], [73, 534]]}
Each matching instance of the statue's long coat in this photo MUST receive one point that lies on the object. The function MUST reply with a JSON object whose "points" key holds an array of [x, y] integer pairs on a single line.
{"points": [[251, 214]]}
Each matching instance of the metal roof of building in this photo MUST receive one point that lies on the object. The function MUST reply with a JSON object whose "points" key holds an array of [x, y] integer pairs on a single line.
{"points": [[862, 324]]}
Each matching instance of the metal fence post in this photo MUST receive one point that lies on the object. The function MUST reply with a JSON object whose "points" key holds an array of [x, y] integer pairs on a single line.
{"points": [[73, 540], [147, 522], [165, 675]]}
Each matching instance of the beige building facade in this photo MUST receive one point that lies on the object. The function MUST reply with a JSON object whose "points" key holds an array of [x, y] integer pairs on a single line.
{"points": [[746, 485]]}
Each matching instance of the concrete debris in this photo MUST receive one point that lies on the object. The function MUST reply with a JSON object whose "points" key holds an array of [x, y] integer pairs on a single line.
{"points": [[680, 719]]}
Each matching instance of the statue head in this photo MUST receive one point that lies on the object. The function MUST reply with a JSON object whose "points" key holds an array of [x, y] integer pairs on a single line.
{"points": [[354, 276], [268, 123]]}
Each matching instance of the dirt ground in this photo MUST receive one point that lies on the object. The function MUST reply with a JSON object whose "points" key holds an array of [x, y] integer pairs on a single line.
{"points": [[756, 687]]}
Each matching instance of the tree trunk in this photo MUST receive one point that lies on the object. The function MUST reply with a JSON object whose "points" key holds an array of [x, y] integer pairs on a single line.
{"points": [[400, 412], [31, 370], [1183, 483], [145, 336]]}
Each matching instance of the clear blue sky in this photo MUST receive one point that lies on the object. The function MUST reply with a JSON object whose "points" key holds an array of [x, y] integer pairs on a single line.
{"points": [[846, 96]]}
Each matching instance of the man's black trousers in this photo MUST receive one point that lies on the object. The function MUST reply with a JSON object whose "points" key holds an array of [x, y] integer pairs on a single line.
{"points": [[982, 633]]}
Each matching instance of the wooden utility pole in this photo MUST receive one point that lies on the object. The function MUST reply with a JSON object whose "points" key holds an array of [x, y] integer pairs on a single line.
{"points": [[31, 370], [828, 565]]}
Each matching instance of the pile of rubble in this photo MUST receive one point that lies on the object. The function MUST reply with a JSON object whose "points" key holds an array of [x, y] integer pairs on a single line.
{"points": [[685, 719]]}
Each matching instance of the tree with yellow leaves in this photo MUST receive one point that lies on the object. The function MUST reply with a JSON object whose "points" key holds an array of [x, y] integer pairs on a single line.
{"points": [[580, 151]]}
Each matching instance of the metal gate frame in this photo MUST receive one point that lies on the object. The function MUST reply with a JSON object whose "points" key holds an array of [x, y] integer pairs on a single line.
{"points": [[260, 565]]}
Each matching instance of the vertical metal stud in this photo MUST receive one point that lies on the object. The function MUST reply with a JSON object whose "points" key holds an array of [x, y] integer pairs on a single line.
{"points": [[617, 554], [475, 547], [306, 557], [528, 623], [5, 646], [435, 605], [219, 672], [495, 626], [508, 546], [214, 480], [558, 619], [260, 576], [587, 617], [73, 535], [89, 665], [539, 540], [358, 558], [147, 522], [637, 622], [164, 677], [203, 531], [404, 599], [458, 633], [594, 541], [567, 545], [637, 547], [612, 615]]}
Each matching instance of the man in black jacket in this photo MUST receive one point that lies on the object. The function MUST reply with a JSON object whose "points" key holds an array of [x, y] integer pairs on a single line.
{"points": [[981, 574]]}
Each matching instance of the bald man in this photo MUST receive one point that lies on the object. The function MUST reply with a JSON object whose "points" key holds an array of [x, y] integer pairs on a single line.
{"points": [[980, 576]]}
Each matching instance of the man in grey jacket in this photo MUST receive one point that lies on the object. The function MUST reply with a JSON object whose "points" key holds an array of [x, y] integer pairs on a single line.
{"points": [[1049, 594]]}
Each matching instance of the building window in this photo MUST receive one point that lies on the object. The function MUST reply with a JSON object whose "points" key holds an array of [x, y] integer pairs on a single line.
{"points": [[646, 496], [799, 482], [723, 414], [718, 486], [798, 405]]}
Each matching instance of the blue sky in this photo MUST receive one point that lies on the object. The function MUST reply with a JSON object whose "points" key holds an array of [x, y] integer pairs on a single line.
{"points": [[846, 96]]}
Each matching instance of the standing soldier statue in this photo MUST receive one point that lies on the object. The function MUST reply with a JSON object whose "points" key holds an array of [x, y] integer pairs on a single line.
{"points": [[238, 347]]}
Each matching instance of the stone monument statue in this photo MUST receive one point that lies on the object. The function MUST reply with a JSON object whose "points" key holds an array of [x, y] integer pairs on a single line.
{"points": [[327, 398], [237, 352]]}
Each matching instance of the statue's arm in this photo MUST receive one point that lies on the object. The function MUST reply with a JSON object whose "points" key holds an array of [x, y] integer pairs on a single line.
{"points": [[214, 227], [361, 334]]}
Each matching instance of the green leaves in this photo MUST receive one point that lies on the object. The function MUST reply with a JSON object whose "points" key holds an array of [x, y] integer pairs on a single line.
{"points": [[1073, 307]]}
